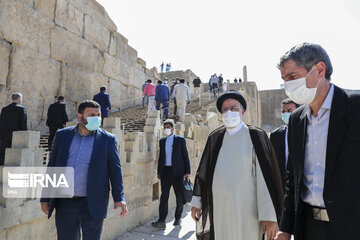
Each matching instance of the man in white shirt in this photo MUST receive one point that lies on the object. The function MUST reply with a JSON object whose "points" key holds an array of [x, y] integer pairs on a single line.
{"points": [[173, 167], [182, 95]]}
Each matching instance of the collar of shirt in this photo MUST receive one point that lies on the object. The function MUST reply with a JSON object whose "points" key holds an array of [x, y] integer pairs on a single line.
{"points": [[325, 106], [79, 134], [233, 131], [170, 137]]}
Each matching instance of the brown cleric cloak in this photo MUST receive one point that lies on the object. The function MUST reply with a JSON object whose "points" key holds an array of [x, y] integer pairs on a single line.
{"points": [[205, 173]]}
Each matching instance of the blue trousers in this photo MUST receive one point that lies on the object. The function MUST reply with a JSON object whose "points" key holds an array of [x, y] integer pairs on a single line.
{"points": [[73, 215], [165, 106], [143, 100]]}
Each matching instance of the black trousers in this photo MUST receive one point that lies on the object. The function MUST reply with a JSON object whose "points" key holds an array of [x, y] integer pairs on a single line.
{"points": [[175, 107], [168, 180], [4, 143], [73, 216], [215, 88], [315, 229], [52, 133]]}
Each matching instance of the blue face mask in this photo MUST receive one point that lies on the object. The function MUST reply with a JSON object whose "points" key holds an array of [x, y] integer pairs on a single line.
{"points": [[285, 117], [93, 123]]}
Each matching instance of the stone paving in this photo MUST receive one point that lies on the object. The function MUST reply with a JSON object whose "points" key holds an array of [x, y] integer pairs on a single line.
{"points": [[147, 232]]}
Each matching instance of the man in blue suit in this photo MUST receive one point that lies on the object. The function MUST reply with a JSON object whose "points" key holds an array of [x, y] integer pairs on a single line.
{"points": [[173, 167], [162, 97], [103, 99], [93, 154]]}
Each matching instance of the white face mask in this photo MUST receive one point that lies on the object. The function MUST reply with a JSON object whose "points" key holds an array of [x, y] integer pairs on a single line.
{"points": [[231, 119], [167, 131], [298, 92]]}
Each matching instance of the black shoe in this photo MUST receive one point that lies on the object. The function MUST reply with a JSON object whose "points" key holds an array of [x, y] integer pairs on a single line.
{"points": [[158, 224], [177, 222]]}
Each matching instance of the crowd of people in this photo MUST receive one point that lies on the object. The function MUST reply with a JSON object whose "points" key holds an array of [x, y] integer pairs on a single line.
{"points": [[300, 181], [179, 92]]}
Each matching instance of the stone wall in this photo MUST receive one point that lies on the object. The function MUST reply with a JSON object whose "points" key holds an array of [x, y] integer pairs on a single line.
{"points": [[271, 108], [23, 218], [187, 75], [65, 47]]}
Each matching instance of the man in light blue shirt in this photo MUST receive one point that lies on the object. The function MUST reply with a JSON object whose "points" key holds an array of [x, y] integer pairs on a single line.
{"points": [[173, 167], [93, 154]]}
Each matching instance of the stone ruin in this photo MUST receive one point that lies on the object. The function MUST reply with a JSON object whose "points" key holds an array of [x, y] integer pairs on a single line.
{"points": [[23, 218], [65, 47]]}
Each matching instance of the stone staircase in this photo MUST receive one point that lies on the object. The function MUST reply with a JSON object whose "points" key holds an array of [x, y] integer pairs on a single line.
{"points": [[134, 119]]}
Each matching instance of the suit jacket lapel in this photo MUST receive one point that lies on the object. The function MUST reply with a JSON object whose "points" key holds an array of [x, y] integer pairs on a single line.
{"points": [[173, 149], [337, 126], [97, 143], [282, 158], [66, 147], [301, 128]]}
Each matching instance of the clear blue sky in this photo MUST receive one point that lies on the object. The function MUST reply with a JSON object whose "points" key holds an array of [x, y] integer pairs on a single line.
{"points": [[211, 36]]}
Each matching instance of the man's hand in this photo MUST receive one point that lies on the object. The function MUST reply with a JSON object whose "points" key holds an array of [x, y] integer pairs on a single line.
{"points": [[187, 176], [196, 213], [45, 206], [282, 236], [123, 206], [270, 228]]}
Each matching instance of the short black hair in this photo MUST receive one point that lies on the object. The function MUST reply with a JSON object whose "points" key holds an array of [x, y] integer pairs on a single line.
{"points": [[149, 81], [182, 80], [168, 122], [87, 104], [102, 89], [288, 101], [159, 82], [60, 98]]}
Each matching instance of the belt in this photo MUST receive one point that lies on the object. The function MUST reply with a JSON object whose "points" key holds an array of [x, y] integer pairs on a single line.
{"points": [[319, 214], [77, 197]]}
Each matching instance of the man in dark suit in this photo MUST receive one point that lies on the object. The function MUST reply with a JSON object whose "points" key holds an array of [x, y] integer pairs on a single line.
{"points": [[56, 118], [103, 99], [13, 118], [278, 137], [93, 154], [173, 167], [162, 97], [322, 200]]}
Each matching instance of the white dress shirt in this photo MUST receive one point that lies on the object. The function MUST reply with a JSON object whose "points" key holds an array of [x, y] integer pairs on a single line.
{"points": [[315, 153], [168, 150]]}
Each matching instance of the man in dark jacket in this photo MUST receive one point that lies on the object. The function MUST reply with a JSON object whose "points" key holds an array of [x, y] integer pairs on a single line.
{"points": [[56, 118], [103, 99], [197, 83], [173, 167], [13, 118], [162, 97], [322, 201], [278, 137], [93, 154]]}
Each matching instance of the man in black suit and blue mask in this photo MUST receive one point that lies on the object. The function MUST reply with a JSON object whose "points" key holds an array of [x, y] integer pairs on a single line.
{"points": [[173, 167], [278, 137]]}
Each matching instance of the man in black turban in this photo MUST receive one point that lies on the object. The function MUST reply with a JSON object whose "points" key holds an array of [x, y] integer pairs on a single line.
{"points": [[238, 191]]}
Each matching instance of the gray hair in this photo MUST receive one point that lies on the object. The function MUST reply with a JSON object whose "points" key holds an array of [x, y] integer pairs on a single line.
{"points": [[16, 96], [307, 55]]}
